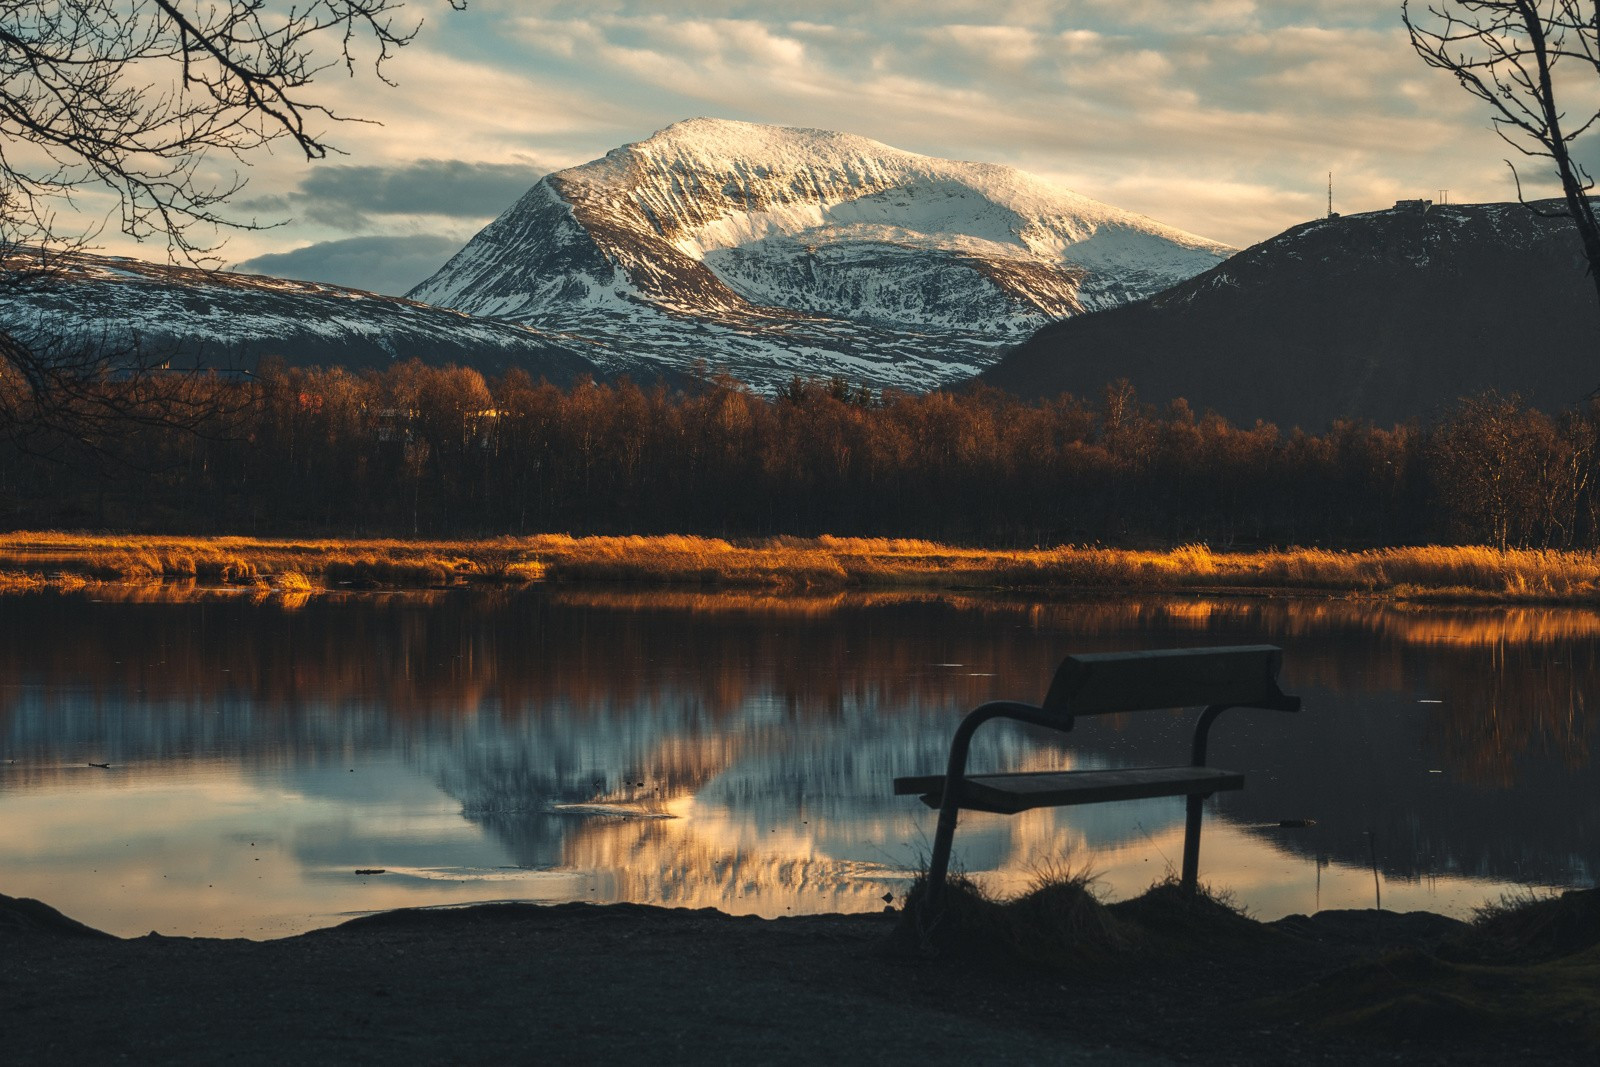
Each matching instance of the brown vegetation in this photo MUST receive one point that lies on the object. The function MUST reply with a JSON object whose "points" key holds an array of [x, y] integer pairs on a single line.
{"points": [[32, 559], [441, 452]]}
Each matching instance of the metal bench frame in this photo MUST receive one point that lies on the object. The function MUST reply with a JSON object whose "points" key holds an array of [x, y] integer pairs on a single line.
{"points": [[1105, 683]]}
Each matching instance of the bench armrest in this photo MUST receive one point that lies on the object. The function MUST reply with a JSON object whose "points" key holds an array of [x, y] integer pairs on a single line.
{"points": [[1202, 726]]}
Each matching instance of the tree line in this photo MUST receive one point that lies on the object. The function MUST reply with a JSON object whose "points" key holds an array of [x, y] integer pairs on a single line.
{"points": [[435, 451]]}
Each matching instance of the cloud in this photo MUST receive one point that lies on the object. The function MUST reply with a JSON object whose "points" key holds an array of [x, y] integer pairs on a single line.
{"points": [[347, 197], [1111, 96], [390, 265], [1222, 117]]}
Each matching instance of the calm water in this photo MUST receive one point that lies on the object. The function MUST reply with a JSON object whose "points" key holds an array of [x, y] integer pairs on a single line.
{"points": [[737, 752]]}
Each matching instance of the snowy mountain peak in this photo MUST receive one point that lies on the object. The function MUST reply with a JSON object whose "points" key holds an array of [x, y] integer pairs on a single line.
{"points": [[775, 250], [733, 182]]}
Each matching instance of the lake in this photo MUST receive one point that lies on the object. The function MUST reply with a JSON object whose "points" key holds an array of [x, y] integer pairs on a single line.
{"points": [[733, 751]]}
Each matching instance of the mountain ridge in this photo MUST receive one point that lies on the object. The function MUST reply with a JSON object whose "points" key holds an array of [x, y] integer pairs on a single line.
{"points": [[190, 317], [778, 250]]}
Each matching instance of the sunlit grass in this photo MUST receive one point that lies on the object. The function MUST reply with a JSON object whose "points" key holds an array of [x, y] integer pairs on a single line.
{"points": [[30, 560]]}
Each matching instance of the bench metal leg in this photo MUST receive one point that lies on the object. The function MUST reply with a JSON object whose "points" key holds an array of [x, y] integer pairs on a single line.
{"points": [[955, 770], [943, 838], [1191, 828], [1191, 844]]}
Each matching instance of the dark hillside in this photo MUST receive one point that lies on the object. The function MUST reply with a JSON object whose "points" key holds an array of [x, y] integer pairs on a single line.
{"points": [[1383, 316]]}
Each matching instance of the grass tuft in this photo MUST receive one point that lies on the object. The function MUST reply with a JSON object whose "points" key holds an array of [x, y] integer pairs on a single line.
{"points": [[1061, 923], [1529, 965], [1533, 928], [1058, 923]]}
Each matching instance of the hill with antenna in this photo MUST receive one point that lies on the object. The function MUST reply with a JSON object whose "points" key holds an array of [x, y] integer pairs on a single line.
{"points": [[1386, 316]]}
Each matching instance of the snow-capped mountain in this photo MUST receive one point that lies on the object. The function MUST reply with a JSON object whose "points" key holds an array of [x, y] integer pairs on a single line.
{"points": [[1386, 315], [225, 321], [768, 251]]}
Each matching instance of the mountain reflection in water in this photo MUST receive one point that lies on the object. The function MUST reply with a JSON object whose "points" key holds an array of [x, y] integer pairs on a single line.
{"points": [[736, 751]]}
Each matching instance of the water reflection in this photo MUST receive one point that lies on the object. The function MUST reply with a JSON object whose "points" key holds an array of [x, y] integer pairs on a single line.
{"points": [[736, 751]]}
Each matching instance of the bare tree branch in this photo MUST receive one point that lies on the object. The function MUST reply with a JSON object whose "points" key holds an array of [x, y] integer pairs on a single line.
{"points": [[1530, 61], [138, 98]]}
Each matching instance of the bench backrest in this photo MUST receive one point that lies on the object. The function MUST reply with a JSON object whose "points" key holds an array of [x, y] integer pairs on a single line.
{"points": [[1244, 676]]}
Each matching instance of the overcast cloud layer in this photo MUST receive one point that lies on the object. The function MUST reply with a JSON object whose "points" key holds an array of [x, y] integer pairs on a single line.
{"points": [[1222, 117]]}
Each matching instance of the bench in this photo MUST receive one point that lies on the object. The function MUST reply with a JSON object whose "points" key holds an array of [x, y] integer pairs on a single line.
{"points": [[1241, 676]]}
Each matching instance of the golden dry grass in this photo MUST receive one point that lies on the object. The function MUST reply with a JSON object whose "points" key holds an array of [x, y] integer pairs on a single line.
{"points": [[33, 559]]}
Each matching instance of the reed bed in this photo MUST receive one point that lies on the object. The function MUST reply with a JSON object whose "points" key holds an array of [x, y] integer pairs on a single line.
{"points": [[34, 559]]}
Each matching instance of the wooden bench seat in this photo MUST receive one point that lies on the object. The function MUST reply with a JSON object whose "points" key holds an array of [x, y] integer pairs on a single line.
{"points": [[1102, 684], [1007, 794]]}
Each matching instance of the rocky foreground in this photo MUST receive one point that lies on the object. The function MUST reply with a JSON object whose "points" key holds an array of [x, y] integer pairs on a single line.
{"points": [[1152, 980]]}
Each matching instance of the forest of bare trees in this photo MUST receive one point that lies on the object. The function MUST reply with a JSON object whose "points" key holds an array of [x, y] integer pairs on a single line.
{"points": [[420, 450]]}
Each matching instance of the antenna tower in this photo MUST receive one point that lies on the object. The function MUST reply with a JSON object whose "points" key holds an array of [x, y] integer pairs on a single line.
{"points": [[1330, 194]]}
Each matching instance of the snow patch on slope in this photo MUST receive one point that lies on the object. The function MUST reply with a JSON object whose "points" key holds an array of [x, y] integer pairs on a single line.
{"points": [[227, 321], [808, 243]]}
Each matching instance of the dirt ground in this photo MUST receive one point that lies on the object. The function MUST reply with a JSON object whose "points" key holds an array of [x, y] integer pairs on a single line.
{"points": [[626, 983]]}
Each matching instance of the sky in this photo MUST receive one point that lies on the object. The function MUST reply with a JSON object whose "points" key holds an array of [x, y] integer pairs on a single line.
{"points": [[1221, 117]]}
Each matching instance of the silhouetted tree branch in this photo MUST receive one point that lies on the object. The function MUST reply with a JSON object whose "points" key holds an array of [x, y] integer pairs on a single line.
{"points": [[140, 99], [1530, 61]]}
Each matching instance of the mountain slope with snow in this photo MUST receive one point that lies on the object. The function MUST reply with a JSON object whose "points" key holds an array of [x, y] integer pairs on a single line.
{"points": [[224, 321], [1386, 315], [768, 251]]}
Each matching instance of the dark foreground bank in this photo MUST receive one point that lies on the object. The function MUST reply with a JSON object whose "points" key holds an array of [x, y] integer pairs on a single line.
{"points": [[627, 983]]}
